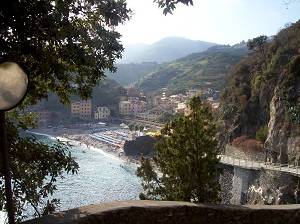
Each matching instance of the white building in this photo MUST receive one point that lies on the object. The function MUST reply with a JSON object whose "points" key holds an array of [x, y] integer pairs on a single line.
{"points": [[102, 113], [148, 116], [193, 92], [181, 107]]}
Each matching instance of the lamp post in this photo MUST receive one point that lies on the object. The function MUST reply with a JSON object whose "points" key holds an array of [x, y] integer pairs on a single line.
{"points": [[13, 88]]}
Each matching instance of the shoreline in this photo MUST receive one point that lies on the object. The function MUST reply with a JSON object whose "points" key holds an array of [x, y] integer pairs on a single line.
{"points": [[84, 140]]}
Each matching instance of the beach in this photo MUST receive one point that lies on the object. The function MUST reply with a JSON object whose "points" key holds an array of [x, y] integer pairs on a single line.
{"points": [[83, 137]]}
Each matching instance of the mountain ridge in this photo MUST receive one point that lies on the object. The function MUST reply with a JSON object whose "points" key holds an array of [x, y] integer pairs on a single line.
{"points": [[164, 50]]}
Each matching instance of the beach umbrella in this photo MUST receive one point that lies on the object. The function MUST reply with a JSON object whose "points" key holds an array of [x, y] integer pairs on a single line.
{"points": [[13, 88]]}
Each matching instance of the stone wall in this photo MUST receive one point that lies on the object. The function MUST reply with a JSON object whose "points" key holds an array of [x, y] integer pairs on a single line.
{"points": [[150, 212]]}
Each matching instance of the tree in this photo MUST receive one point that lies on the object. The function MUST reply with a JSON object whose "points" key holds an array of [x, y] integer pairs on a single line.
{"points": [[169, 6], [31, 162], [141, 128], [131, 127], [258, 44], [262, 134], [184, 167], [64, 46], [136, 127]]}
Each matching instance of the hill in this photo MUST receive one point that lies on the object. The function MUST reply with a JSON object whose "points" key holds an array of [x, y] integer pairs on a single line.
{"points": [[198, 70], [165, 50], [128, 74], [107, 93], [263, 97]]}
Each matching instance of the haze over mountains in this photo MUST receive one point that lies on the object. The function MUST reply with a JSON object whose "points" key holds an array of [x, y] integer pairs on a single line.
{"points": [[165, 50]]}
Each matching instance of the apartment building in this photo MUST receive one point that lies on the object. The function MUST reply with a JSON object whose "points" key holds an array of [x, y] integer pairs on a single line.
{"points": [[102, 113], [82, 109], [132, 107]]}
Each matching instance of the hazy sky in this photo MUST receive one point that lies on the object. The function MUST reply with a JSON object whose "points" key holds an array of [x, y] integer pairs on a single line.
{"points": [[219, 21]]}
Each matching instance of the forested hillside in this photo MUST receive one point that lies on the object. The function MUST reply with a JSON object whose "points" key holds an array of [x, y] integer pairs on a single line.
{"points": [[128, 74], [263, 96], [205, 69], [107, 93]]}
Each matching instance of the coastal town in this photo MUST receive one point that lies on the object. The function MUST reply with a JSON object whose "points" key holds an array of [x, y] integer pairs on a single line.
{"points": [[134, 105], [110, 127]]}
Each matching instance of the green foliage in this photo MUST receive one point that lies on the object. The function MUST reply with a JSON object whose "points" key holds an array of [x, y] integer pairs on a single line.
{"points": [[141, 128], [184, 167], [128, 74], [294, 114], [35, 168], [257, 43], [168, 6], [195, 70], [141, 146], [131, 127], [63, 46], [262, 134], [271, 70], [167, 117], [108, 94]]}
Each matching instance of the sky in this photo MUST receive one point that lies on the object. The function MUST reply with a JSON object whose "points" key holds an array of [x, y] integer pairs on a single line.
{"points": [[217, 21]]}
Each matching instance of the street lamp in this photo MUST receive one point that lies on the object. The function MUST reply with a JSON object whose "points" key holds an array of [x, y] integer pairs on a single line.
{"points": [[13, 88]]}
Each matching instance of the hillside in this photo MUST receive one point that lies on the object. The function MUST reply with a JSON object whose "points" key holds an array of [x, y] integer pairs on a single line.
{"points": [[263, 97], [107, 93], [205, 69], [165, 50], [128, 74]]}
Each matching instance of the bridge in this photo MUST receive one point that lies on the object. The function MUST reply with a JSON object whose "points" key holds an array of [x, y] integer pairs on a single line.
{"points": [[257, 165]]}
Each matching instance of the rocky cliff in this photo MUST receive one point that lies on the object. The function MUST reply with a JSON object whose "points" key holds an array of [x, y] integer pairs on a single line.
{"points": [[264, 91]]}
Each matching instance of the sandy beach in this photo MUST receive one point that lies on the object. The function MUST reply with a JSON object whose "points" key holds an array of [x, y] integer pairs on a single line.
{"points": [[82, 138]]}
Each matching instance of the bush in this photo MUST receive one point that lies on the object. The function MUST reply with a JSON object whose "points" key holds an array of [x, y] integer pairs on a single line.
{"points": [[143, 145], [247, 144], [262, 134]]}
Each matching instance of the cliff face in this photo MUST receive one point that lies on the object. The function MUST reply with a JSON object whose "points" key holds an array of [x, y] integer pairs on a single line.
{"points": [[264, 90]]}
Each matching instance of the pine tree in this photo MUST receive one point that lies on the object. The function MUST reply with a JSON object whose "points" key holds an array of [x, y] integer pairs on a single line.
{"points": [[185, 165]]}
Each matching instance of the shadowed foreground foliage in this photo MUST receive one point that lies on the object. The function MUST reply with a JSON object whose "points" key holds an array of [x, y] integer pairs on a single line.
{"points": [[64, 47]]}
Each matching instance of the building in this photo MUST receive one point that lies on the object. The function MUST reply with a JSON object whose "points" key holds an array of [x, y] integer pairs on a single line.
{"points": [[125, 107], [102, 113], [138, 106], [193, 92], [132, 107], [181, 107], [82, 109]]}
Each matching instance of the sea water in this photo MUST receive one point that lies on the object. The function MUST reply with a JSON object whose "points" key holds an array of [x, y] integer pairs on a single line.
{"points": [[101, 178]]}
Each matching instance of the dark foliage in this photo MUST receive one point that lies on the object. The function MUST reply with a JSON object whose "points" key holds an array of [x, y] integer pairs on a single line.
{"points": [[141, 146]]}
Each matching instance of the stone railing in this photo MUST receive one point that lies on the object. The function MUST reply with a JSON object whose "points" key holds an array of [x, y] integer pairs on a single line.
{"points": [[165, 212]]}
